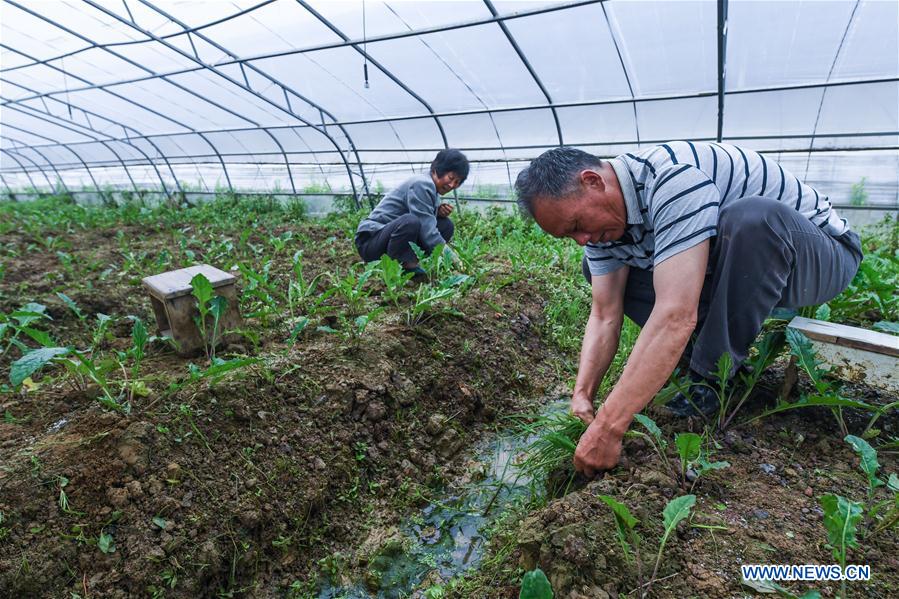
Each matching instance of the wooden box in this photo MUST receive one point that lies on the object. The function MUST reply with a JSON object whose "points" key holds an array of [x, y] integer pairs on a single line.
{"points": [[176, 308]]}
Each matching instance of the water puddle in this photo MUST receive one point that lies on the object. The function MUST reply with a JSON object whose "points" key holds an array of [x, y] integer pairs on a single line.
{"points": [[57, 425], [448, 536]]}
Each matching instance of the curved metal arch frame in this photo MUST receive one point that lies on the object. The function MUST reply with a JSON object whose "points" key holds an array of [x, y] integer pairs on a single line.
{"points": [[627, 77], [9, 190], [47, 160], [284, 89], [94, 132], [524, 60], [95, 46], [156, 76], [518, 147], [694, 95], [227, 78], [129, 60], [103, 87], [38, 167], [124, 127], [100, 141], [631, 142], [24, 170], [379, 66], [419, 32], [833, 65], [126, 141], [76, 154]]}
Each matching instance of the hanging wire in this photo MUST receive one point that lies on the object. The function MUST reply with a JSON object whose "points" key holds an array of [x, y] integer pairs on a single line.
{"points": [[364, 47], [65, 84]]}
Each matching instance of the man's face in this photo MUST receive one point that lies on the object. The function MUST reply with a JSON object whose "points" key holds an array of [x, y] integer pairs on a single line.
{"points": [[583, 216], [448, 182]]}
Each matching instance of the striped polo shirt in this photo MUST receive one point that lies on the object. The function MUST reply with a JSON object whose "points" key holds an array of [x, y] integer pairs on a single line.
{"points": [[674, 193]]}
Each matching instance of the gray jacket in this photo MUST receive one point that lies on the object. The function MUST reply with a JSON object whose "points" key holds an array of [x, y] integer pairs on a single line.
{"points": [[418, 196]]}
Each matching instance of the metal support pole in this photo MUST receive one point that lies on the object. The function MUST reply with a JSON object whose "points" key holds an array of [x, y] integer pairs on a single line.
{"points": [[722, 64]]}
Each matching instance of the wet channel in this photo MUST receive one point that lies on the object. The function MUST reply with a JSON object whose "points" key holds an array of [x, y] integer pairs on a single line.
{"points": [[448, 537]]}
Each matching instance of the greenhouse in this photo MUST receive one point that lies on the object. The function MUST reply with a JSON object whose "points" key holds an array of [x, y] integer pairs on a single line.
{"points": [[644, 345]]}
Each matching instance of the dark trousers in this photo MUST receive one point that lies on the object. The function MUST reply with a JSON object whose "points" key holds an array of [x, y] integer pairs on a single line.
{"points": [[393, 239], [766, 255]]}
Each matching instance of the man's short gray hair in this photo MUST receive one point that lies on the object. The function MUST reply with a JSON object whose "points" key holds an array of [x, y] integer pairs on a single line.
{"points": [[552, 175]]}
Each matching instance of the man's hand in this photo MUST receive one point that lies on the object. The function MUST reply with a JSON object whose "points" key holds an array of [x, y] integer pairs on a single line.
{"points": [[598, 449], [444, 210], [582, 407]]}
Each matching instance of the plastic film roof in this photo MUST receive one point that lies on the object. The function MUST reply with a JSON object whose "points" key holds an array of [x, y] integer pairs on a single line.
{"points": [[272, 95]]}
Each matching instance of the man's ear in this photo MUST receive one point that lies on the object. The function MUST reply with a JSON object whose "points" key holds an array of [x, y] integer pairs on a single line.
{"points": [[592, 179]]}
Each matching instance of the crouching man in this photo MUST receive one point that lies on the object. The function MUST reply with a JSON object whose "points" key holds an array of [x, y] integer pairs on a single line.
{"points": [[686, 239], [412, 213]]}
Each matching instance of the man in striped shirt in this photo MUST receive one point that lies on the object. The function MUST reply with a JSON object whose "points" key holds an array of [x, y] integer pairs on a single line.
{"points": [[685, 238]]}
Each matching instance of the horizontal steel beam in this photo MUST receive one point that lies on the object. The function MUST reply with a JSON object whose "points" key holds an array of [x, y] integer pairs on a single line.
{"points": [[476, 111], [313, 165]]}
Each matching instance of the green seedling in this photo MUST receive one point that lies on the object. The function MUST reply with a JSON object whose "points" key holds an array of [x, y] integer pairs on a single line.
{"points": [[71, 305], [841, 519], [20, 322], [626, 529], [208, 305], [879, 515], [675, 511], [394, 278], [469, 250], [302, 294], [535, 585], [656, 440], [260, 293], [826, 392], [847, 521], [79, 365], [298, 327], [693, 457], [869, 464], [186, 412], [731, 397], [872, 290], [67, 261], [424, 300], [352, 288], [361, 322], [280, 242], [106, 543], [219, 368], [62, 482], [555, 437], [100, 331], [690, 449], [139, 339], [437, 263]]}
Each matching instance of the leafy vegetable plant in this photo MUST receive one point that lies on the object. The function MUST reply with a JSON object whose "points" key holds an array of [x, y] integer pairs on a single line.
{"points": [[209, 305], [677, 510]]}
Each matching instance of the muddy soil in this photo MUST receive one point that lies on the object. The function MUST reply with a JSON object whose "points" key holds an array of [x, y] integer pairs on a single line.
{"points": [[763, 509], [254, 484]]}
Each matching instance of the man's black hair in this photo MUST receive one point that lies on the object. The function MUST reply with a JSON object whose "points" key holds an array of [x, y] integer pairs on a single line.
{"points": [[451, 161], [552, 175]]}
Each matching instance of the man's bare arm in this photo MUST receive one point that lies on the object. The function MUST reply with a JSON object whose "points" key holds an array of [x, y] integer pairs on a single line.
{"points": [[678, 283], [600, 340]]}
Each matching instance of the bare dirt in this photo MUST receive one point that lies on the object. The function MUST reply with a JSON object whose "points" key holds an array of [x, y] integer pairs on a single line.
{"points": [[763, 509], [242, 487]]}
